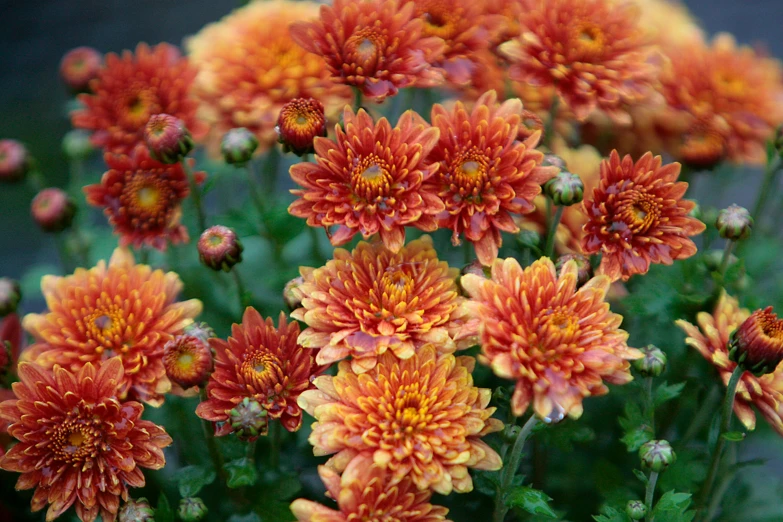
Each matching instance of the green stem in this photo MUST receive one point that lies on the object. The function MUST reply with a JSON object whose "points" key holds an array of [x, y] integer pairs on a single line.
{"points": [[65, 258], [724, 262], [252, 186], [770, 171], [650, 403], [467, 252], [723, 485], [507, 477], [209, 437], [549, 125], [196, 193], [320, 257], [357, 104], [550, 235], [702, 416], [274, 441], [144, 256], [241, 291], [725, 425], [649, 494]]}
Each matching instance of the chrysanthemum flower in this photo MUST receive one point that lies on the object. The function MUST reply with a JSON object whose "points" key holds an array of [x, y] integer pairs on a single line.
{"points": [[142, 199], [249, 67], [560, 344], [121, 309], [637, 216], [369, 180], [78, 444], [188, 360], [369, 301], [301, 120], [670, 22], [378, 46], [486, 175], [131, 88], [79, 67], [420, 418], [710, 338], [594, 53], [261, 362], [363, 493]]}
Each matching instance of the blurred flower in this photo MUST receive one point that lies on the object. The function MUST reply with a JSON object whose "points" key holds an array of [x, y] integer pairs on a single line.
{"points": [[142, 199], [14, 160], [79, 66], [76, 145], [53, 210], [637, 216], [188, 360], [238, 146], [364, 492], [595, 54], [369, 179], [131, 88], [485, 175], [78, 444], [10, 295], [121, 309], [734, 223], [219, 248], [249, 67], [560, 344], [711, 338], [168, 139], [387, 416], [378, 46], [261, 362], [12, 337], [371, 300], [670, 23], [301, 120], [757, 344]]}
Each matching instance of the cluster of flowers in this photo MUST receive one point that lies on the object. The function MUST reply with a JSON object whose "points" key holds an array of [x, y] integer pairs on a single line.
{"points": [[401, 415]]}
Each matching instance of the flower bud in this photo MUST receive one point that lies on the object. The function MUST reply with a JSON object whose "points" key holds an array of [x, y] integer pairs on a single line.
{"points": [[657, 455], [301, 121], [201, 330], [529, 123], [529, 238], [734, 223], [582, 263], [188, 360], [219, 248], [653, 363], [238, 146], [565, 189], [192, 509], [248, 419], [476, 268], [635, 509], [14, 160], [77, 145], [291, 296], [167, 138], [79, 66], [10, 295], [757, 345], [553, 160], [137, 511], [53, 210]]}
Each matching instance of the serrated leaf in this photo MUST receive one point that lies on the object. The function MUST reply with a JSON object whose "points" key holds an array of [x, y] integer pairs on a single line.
{"points": [[486, 482], [192, 478], [531, 500], [641, 475], [734, 436], [673, 507], [666, 392], [241, 472], [163, 512], [611, 515], [634, 438]]}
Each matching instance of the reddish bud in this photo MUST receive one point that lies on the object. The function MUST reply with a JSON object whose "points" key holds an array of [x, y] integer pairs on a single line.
{"points": [[53, 210], [219, 248], [14, 160], [167, 138], [79, 66], [757, 345], [301, 121], [188, 360]]}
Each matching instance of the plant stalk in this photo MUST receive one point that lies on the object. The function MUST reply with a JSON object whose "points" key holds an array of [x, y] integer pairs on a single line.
{"points": [[241, 290], [770, 171], [549, 250], [196, 193], [649, 494], [507, 477]]}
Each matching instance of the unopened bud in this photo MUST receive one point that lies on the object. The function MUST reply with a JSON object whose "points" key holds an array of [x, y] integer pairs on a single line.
{"points": [[219, 248], [300, 121], [201, 330], [248, 419], [529, 238], [553, 160], [238, 146], [53, 210], [14, 160], [10, 295], [653, 363], [291, 295], [757, 344], [657, 455], [79, 66], [585, 269], [167, 138], [192, 509], [77, 145], [565, 189], [188, 360], [137, 511], [529, 124], [734, 223], [635, 509]]}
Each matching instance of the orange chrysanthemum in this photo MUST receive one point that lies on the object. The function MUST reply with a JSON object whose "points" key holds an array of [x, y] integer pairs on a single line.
{"points": [[670, 22], [363, 493], [121, 309], [78, 444], [263, 363], [593, 52], [711, 337], [142, 198], [369, 180], [371, 300], [723, 100], [377, 46], [131, 88], [420, 418], [560, 344], [249, 67], [486, 175], [637, 216]]}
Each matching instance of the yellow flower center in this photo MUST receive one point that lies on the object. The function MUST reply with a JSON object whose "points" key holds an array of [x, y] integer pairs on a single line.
{"points": [[371, 180], [468, 176], [643, 213], [76, 438], [731, 84], [147, 200], [106, 326], [138, 105], [397, 285], [440, 18], [588, 38], [407, 413], [366, 49], [147, 197], [262, 368]]}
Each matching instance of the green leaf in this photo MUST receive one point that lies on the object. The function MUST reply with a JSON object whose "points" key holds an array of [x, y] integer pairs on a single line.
{"points": [[192, 478], [531, 500], [734, 436], [164, 513], [283, 487], [666, 392], [637, 432], [241, 472], [611, 514], [673, 507], [641, 476], [486, 482], [250, 517]]}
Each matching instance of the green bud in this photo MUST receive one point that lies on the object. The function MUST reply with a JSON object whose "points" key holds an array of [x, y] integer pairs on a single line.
{"points": [[238, 146], [291, 296], [137, 511], [565, 189], [248, 419], [192, 509], [635, 509], [529, 238], [653, 363], [657, 455], [10, 295], [77, 145], [734, 223], [582, 264]]}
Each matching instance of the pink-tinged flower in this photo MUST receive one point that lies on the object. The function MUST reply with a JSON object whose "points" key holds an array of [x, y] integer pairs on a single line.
{"points": [[14, 160], [420, 418], [79, 66], [370, 179]]}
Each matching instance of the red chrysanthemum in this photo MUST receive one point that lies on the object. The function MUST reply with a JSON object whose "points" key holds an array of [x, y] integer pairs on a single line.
{"points": [[78, 444], [595, 53], [260, 362], [486, 175], [377, 46], [131, 88], [369, 180], [121, 309], [142, 198], [637, 216], [301, 120], [558, 342], [363, 492], [711, 338], [370, 301], [421, 418]]}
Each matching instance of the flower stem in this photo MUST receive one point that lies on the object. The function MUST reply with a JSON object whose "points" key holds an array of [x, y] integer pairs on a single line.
{"points": [[274, 441], [357, 104], [649, 494], [467, 252], [724, 262], [209, 437], [507, 477], [725, 425], [241, 290], [650, 404], [770, 171], [196, 193], [549, 125], [550, 235], [253, 188]]}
